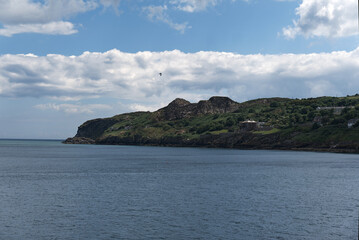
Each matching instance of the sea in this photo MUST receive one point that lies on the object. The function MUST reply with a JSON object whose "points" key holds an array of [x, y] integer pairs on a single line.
{"points": [[49, 190]]}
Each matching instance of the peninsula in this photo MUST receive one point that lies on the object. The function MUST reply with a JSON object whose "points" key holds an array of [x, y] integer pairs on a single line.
{"points": [[313, 124]]}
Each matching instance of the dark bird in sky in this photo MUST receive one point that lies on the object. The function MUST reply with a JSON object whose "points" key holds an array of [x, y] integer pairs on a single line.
{"points": [[160, 74]]}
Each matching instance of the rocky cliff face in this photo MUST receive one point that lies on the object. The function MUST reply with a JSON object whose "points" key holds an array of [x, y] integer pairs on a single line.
{"points": [[94, 128], [217, 105], [180, 108]]}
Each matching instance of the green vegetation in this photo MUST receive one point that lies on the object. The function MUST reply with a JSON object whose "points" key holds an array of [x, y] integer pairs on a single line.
{"points": [[274, 130], [145, 124], [312, 121], [279, 113]]}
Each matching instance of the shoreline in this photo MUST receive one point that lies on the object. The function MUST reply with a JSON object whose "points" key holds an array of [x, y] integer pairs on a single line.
{"points": [[303, 149]]}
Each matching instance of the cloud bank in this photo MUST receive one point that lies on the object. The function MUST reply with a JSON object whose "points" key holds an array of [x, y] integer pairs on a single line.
{"points": [[194, 76], [324, 18], [73, 108]]}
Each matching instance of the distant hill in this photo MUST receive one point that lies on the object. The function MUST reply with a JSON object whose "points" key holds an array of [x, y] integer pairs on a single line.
{"points": [[319, 124]]}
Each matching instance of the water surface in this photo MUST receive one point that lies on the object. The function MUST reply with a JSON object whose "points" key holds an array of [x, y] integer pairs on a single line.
{"points": [[53, 191]]}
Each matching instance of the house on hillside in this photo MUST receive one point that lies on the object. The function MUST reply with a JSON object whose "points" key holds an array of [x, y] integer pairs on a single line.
{"points": [[250, 125], [352, 122]]}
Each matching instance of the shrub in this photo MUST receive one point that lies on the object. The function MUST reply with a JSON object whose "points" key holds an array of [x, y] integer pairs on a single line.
{"points": [[303, 111], [203, 128], [338, 121], [240, 118], [230, 122], [274, 104], [166, 127], [216, 127], [315, 126], [311, 115]]}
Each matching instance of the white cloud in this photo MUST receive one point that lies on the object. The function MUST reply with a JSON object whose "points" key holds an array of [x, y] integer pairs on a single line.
{"points": [[135, 76], [45, 17], [196, 5], [52, 28], [34, 12], [159, 13], [324, 18], [141, 107], [73, 108], [193, 5], [108, 3]]}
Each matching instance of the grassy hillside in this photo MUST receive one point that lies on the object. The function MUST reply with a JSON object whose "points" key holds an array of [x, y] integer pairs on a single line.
{"points": [[313, 121]]}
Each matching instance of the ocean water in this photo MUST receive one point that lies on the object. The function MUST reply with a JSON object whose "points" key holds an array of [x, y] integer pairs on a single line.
{"points": [[53, 191]]}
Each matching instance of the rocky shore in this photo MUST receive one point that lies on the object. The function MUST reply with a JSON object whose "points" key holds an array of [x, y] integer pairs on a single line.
{"points": [[248, 141]]}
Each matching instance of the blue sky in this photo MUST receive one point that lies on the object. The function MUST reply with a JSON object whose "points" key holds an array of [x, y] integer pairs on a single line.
{"points": [[66, 61]]}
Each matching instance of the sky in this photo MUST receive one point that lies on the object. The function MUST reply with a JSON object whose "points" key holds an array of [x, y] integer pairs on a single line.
{"points": [[63, 62]]}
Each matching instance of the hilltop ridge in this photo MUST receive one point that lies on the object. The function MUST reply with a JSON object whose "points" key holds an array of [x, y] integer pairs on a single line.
{"points": [[181, 108]]}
